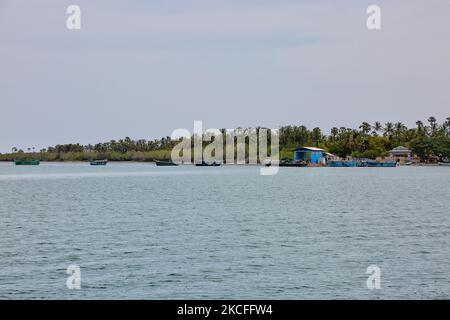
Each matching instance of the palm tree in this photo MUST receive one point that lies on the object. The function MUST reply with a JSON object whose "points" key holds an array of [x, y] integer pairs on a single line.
{"points": [[334, 133], [446, 127], [433, 125], [388, 129], [377, 127], [365, 128], [420, 128], [316, 136], [400, 128]]}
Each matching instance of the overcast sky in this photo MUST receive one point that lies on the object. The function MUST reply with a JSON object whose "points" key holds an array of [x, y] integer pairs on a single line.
{"points": [[144, 68]]}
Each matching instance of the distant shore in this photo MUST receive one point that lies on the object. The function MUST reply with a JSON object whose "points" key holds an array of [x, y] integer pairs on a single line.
{"points": [[419, 164], [427, 143]]}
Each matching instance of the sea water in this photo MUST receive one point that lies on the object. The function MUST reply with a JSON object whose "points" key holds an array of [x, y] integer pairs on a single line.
{"points": [[137, 231]]}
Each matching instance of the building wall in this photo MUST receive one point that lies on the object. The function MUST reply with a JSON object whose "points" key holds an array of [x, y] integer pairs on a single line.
{"points": [[316, 156], [311, 156], [405, 157]]}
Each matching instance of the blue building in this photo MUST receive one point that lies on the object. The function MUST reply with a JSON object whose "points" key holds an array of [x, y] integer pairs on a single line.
{"points": [[309, 154]]}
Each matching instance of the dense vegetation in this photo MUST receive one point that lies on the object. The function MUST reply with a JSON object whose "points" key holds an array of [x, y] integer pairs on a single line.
{"points": [[429, 140]]}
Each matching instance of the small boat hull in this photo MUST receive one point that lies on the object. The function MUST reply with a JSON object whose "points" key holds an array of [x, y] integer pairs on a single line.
{"points": [[292, 165], [205, 164], [27, 162], [99, 162], [362, 163], [289, 165], [382, 164], [336, 163], [444, 164], [165, 163]]}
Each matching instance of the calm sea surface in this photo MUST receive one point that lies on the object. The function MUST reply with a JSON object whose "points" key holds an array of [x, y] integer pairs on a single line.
{"points": [[146, 232]]}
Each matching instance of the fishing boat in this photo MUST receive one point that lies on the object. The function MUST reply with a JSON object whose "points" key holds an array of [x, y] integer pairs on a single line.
{"points": [[289, 163], [378, 164], [206, 164], [343, 163], [27, 162], [165, 163], [362, 163], [99, 162]]}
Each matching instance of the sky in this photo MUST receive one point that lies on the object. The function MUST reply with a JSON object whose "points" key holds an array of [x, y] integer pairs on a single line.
{"points": [[145, 68]]}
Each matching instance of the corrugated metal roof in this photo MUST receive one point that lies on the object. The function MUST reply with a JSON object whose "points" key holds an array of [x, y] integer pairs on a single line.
{"points": [[400, 148], [309, 148]]}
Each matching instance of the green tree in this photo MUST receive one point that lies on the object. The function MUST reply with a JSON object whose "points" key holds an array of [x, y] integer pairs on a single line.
{"points": [[441, 147], [377, 127], [365, 128], [433, 125], [420, 128], [422, 147]]}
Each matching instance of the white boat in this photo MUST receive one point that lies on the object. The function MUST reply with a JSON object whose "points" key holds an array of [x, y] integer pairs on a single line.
{"points": [[444, 164]]}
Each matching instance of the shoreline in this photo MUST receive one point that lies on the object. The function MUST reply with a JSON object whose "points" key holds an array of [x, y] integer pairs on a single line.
{"points": [[192, 164]]}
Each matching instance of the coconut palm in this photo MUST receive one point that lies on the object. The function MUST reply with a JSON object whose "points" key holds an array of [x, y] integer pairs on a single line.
{"points": [[446, 127], [388, 129], [334, 133], [365, 128], [377, 127], [419, 125], [433, 125], [399, 129]]}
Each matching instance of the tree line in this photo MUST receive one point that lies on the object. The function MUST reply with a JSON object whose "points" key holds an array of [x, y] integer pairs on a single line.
{"points": [[428, 140]]}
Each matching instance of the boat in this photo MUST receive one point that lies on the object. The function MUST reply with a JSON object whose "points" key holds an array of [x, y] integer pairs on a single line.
{"points": [[288, 163], [444, 164], [344, 163], [99, 162], [362, 163], [27, 162], [379, 164], [206, 164], [165, 163]]}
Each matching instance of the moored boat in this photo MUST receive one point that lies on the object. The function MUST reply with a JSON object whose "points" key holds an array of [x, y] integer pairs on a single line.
{"points": [[288, 163], [165, 163], [362, 163], [206, 164], [99, 162], [378, 164], [27, 162], [345, 163], [444, 164]]}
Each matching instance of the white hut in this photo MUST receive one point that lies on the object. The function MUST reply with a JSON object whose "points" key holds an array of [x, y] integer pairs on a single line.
{"points": [[400, 154]]}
